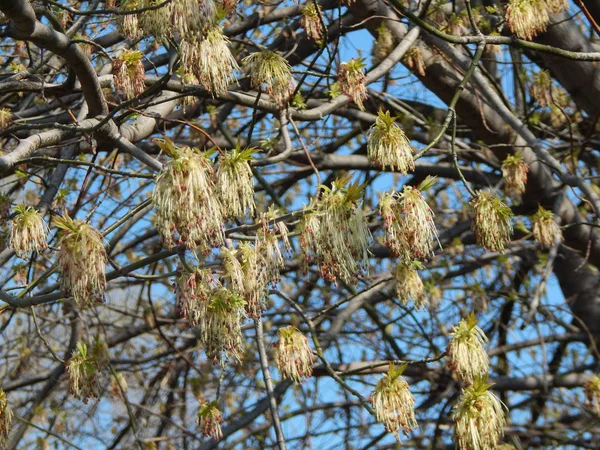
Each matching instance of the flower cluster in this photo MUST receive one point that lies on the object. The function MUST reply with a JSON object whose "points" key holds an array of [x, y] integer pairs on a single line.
{"points": [[592, 394], [209, 59], [81, 260], [479, 417], [193, 290], [156, 22], [514, 172], [466, 351], [336, 233], [128, 71], [311, 21], [128, 24], [527, 18], [351, 80], [492, 221], [410, 231], [28, 231], [388, 146], [384, 44], [293, 354], [545, 229], [192, 17], [82, 371], [6, 418], [269, 69], [393, 402], [542, 88], [210, 419], [235, 182], [187, 211], [271, 240], [5, 118], [409, 285], [414, 61]]}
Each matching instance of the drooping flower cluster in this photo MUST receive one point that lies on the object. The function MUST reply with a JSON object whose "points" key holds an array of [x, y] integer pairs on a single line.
{"points": [[208, 58], [393, 402], [514, 172], [81, 260], [187, 211], [221, 329], [479, 418], [491, 222], [388, 146], [216, 311], [28, 231], [410, 231], [592, 394], [545, 229], [311, 21], [466, 351], [210, 419], [409, 285], [128, 71], [269, 69], [527, 18], [5, 118], [193, 291], [82, 371], [414, 61], [335, 232], [294, 357], [190, 17], [351, 80], [271, 240], [542, 88], [235, 182], [384, 44], [6, 418], [128, 24], [156, 22]]}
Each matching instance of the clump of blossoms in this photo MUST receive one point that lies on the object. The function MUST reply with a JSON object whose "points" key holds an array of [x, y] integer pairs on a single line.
{"points": [[270, 242], [193, 291], [491, 222], [245, 268], [5, 118], [409, 285], [294, 357], [208, 57], [128, 71], [351, 80], [191, 17], [479, 418], [545, 229], [335, 232], [221, 327], [128, 24], [235, 182], [82, 371], [527, 18], [514, 172], [466, 351], [384, 44], [187, 210], [81, 260], [410, 231], [394, 404], [28, 231], [311, 21], [210, 419], [156, 22], [592, 394], [388, 146], [269, 69], [414, 60], [541, 88], [6, 418]]}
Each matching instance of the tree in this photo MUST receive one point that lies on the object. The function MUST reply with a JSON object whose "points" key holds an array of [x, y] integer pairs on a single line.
{"points": [[316, 225]]}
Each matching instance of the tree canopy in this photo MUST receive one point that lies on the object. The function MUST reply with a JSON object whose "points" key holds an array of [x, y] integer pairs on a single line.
{"points": [[332, 224]]}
